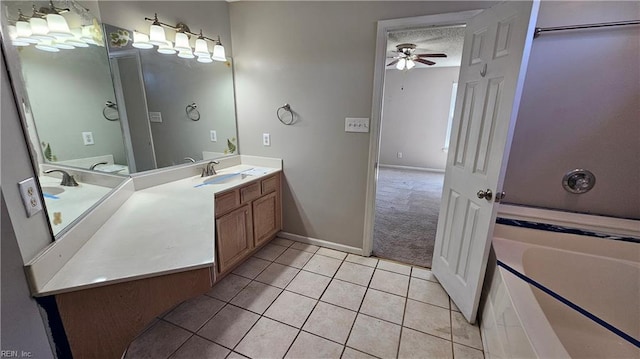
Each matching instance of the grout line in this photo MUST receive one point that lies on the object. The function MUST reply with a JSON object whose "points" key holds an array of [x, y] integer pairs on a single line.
{"points": [[180, 346]]}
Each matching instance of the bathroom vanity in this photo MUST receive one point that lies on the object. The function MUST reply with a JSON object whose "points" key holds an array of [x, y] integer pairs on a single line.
{"points": [[160, 238]]}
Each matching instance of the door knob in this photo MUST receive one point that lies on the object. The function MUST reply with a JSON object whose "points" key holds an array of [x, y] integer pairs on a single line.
{"points": [[488, 195]]}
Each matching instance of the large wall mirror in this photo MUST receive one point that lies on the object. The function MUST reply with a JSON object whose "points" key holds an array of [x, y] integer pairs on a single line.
{"points": [[100, 109]]}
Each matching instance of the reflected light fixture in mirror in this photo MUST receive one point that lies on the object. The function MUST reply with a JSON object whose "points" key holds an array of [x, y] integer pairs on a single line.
{"points": [[182, 43], [49, 31]]}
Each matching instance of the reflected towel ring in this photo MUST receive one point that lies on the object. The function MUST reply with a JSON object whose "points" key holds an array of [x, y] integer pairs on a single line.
{"points": [[286, 108], [192, 112], [110, 111]]}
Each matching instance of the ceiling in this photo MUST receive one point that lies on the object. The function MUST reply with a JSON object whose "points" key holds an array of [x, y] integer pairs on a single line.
{"points": [[448, 40]]}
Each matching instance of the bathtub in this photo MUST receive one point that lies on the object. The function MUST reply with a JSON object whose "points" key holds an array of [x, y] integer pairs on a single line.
{"points": [[574, 294]]}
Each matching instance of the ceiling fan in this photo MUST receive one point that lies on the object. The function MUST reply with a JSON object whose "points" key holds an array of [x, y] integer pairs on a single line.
{"points": [[406, 58]]}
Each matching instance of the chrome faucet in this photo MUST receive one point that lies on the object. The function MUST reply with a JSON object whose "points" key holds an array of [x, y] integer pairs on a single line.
{"points": [[189, 159], [93, 166], [209, 170], [67, 179]]}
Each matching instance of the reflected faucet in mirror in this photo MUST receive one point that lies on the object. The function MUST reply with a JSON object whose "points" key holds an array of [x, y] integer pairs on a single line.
{"points": [[67, 179], [190, 159], [93, 166]]}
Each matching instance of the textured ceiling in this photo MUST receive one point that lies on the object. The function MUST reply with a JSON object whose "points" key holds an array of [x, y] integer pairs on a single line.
{"points": [[448, 40]]}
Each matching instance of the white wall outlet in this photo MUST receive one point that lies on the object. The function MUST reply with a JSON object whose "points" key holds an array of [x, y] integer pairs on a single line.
{"points": [[266, 139], [155, 117], [356, 124], [213, 135], [87, 138], [399, 154], [30, 196]]}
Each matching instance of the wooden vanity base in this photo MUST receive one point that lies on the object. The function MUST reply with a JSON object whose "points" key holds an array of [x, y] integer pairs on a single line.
{"points": [[101, 322]]}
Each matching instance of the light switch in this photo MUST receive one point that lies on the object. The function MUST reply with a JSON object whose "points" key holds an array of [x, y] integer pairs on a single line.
{"points": [[356, 124], [266, 139], [214, 136], [30, 196], [155, 117], [87, 138]]}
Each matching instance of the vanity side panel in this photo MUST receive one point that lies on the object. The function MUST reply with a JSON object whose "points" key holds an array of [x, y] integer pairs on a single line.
{"points": [[101, 322]]}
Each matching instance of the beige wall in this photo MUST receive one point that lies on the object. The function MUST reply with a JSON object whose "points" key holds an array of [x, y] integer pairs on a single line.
{"points": [[414, 116], [317, 56], [580, 109]]}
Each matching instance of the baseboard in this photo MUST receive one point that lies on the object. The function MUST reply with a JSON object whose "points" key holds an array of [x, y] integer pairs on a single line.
{"points": [[424, 169], [320, 242]]}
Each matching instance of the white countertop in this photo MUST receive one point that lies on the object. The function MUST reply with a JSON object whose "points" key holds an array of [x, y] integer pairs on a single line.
{"points": [[71, 203], [159, 230]]}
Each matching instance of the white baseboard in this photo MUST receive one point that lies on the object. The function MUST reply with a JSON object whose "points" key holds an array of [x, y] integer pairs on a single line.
{"points": [[424, 169], [320, 242]]}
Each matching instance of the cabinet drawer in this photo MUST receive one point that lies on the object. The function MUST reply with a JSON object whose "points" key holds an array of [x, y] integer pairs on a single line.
{"points": [[270, 184], [250, 192], [227, 201]]}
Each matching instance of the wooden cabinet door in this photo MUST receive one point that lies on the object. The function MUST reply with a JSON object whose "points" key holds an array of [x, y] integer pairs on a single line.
{"points": [[234, 237], [266, 220]]}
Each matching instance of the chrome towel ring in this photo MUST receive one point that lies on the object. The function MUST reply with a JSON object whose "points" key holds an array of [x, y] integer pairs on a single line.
{"points": [[192, 112], [110, 111], [283, 117]]}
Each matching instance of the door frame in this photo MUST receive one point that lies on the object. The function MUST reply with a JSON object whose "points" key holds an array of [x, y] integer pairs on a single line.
{"points": [[384, 27]]}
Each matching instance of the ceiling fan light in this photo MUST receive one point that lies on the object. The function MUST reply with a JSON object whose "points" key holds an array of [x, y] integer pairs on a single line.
{"points": [[88, 37], [76, 39], [401, 64], [410, 64], [182, 42], [205, 59], [23, 32], [46, 45]]}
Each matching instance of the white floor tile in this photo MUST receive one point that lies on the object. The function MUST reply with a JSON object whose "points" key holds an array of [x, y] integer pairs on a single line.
{"points": [[309, 284], [326, 266], [309, 346], [291, 308], [428, 292], [277, 275], [344, 294], [267, 339], [394, 267], [330, 322], [375, 337], [414, 344], [389, 282], [355, 273], [382, 305], [228, 326], [256, 297]]}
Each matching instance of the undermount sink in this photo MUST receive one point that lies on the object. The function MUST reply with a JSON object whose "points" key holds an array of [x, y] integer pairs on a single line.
{"points": [[52, 191], [225, 178]]}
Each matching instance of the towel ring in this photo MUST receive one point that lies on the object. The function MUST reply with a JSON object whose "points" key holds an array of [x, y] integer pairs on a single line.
{"points": [[286, 108], [192, 112], [109, 115]]}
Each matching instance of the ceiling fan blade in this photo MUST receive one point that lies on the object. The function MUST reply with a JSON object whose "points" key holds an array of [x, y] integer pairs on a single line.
{"points": [[431, 55], [393, 62], [426, 62]]}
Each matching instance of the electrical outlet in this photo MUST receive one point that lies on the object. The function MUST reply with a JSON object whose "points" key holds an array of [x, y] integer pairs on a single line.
{"points": [[266, 139], [214, 136], [399, 154], [87, 138], [356, 124], [30, 196], [155, 117]]}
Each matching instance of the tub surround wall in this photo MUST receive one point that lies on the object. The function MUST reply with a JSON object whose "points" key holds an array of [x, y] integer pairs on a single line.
{"points": [[579, 109], [318, 57]]}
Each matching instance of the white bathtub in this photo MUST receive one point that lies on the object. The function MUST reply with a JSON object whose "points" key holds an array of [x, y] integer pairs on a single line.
{"points": [[599, 277]]}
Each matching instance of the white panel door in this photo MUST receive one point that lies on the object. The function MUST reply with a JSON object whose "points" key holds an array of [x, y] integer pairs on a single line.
{"points": [[496, 49]]}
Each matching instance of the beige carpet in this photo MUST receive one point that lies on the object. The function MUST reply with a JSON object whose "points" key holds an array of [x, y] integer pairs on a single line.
{"points": [[407, 206]]}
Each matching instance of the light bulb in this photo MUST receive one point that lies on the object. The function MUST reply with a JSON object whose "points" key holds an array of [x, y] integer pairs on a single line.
{"points": [[410, 64], [46, 45], [62, 45], [401, 64], [186, 54], [58, 26], [23, 32], [218, 52], [141, 41], [76, 39], [87, 36], [202, 49], [182, 42], [156, 35], [39, 29], [167, 48], [13, 35], [205, 59]]}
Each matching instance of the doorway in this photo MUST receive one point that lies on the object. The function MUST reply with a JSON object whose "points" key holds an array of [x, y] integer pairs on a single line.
{"points": [[416, 112]]}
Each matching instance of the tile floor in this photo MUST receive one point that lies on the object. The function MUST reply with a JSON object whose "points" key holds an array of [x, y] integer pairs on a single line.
{"points": [[295, 300]]}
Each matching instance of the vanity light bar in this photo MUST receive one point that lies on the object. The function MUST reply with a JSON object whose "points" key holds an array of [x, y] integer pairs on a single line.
{"points": [[182, 46]]}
